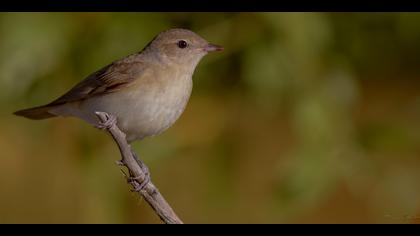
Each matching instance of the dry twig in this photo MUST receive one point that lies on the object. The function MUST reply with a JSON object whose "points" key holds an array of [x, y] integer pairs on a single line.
{"points": [[138, 178]]}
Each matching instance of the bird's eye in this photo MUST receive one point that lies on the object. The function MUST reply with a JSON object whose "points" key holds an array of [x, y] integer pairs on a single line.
{"points": [[182, 44]]}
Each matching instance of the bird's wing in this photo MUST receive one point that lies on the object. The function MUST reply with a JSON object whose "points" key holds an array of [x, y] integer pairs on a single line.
{"points": [[112, 77]]}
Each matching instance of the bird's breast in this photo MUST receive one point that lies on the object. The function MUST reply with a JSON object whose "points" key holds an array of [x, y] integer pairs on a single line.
{"points": [[153, 104], [146, 108]]}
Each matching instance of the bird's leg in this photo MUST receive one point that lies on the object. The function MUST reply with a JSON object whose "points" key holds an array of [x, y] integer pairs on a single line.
{"points": [[146, 177], [109, 123]]}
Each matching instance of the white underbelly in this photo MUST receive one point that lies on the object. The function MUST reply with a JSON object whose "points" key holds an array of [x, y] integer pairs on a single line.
{"points": [[142, 113]]}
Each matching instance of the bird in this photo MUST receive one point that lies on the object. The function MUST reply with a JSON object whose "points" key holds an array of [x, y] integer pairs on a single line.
{"points": [[146, 91]]}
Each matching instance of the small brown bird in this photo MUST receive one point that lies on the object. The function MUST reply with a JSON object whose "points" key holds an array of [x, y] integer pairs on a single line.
{"points": [[145, 91]]}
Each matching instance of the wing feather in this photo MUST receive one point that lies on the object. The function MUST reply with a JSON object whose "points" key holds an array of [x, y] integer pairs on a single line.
{"points": [[110, 78]]}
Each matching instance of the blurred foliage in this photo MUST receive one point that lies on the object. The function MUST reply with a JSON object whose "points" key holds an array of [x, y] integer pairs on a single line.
{"points": [[304, 118]]}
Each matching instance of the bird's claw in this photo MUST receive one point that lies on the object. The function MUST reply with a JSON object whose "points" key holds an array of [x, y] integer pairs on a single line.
{"points": [[139, 186], [109, 123], [144, 178]]}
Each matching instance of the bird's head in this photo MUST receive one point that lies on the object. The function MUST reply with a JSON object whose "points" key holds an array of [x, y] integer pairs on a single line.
{"points": [[182, 46]]}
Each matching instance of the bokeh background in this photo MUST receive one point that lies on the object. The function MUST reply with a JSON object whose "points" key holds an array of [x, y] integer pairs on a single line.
{"points": [[304, 118]]}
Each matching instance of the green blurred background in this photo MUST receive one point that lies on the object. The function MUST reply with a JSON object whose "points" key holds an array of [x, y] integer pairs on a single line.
{"points": [[304, 118]]}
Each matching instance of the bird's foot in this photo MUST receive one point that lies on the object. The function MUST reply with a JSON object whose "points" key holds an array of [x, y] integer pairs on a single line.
{"points": [[145, 178], [109, 123]]}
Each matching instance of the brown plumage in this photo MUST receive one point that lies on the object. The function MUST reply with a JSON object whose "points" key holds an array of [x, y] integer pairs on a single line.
{"points": [[145, 91], [111, 78]]}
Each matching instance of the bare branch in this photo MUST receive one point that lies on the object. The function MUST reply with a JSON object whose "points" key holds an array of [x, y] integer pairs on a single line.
{"points": [[138, 178]]}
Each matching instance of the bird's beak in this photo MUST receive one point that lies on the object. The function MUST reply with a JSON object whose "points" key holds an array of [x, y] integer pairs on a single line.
{"points": [[213, 48]]}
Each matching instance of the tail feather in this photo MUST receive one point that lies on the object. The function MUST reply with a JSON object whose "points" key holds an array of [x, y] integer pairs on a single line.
{"points": [[35, 113]]}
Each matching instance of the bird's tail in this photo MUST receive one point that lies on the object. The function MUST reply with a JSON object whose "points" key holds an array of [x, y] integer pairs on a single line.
{"points": [[36, 113]]}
